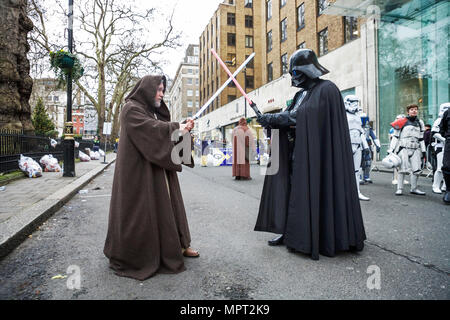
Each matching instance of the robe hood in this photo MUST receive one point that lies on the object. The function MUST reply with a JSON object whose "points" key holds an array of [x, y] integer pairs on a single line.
{"points": [[144, 93]]}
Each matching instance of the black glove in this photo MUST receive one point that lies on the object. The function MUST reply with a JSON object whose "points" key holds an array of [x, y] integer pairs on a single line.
{"points": [[263, 120]]}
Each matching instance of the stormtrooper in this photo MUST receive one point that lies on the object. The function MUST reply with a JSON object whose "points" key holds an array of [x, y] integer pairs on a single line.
{"points": [[371, 138], [357, 137], [438, 145], [407, 142]]}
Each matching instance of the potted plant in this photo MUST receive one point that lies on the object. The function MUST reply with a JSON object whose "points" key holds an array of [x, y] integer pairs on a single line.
{"points": [[64, 63]]}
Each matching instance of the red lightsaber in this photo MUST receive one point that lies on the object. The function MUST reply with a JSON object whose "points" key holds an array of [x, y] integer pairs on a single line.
{"points": [[231, 76]]}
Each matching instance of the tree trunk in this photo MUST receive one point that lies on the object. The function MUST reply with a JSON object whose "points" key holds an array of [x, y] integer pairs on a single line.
{"points": [[15, 80]]}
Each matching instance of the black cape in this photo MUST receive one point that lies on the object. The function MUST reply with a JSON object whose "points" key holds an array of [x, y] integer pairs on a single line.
{"points": [[317, 208]]}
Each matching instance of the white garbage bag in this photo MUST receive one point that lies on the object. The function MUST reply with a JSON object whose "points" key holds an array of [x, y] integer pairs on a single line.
{"points": [[30, 167], [53, 143], [94, 155], [50, 163], [84, 157], [101, 152]]}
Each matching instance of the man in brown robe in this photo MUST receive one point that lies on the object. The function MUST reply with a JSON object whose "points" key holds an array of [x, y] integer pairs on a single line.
{"points": [[242, 141], [148, 230]]}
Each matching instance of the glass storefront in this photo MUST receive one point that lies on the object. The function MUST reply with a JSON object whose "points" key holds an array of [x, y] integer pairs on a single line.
{"points": [[413, 61]]}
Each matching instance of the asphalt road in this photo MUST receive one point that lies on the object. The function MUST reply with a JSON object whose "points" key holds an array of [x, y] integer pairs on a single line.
{"points": [[406, 255]]}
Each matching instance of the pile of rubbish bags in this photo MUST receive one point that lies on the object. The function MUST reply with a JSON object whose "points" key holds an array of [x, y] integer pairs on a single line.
{"points": [[50, 163], [91, 155], [30, 167]]}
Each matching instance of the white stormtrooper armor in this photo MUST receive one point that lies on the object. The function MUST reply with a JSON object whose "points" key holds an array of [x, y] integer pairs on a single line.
{"points": [[407, 142], [438, 145], [357, 136]]}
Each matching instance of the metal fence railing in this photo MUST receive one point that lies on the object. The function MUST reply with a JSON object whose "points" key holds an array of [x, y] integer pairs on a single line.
{"points": [[13, 143]]}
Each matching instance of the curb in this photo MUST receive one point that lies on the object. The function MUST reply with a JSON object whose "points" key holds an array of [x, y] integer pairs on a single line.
{"points": [[15, 230]]}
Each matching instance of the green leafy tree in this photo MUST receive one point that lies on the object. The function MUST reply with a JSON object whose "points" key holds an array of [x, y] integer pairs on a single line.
{"points": [[43, 125]]}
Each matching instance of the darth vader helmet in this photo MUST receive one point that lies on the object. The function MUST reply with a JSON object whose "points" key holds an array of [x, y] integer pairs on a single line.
{"points": [[351, 103], [303, 64], [443, 107]]}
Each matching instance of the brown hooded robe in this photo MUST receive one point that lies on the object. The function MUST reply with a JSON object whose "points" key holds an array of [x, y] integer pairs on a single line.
{"points": [[147, 226], [242, 141]]}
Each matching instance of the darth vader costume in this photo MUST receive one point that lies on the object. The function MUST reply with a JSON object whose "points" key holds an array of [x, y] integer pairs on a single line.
{"points": [[444, 127], [312, 200]]}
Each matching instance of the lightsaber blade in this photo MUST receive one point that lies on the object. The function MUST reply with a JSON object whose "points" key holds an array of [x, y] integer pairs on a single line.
{"points": [[250, 57], [229, 73]]}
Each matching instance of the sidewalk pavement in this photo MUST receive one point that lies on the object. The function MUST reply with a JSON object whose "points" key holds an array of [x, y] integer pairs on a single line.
{"points": [[27, 203]]}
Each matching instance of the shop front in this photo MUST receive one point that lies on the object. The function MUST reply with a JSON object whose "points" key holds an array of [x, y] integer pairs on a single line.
{"points": [[413, 61]]}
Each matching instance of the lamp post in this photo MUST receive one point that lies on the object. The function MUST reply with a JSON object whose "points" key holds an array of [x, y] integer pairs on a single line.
{"points": [[69, 142]]}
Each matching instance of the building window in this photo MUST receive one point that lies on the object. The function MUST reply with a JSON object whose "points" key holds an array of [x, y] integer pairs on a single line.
{"points": [[189, 104], [231, 39], [189, 114], [269, 72], [301, 45], [189, 71], [231, 97], [351, 28], [322, 5], [323, 42], [249, 21], [230, 1], [269, 41], [250, 63], [196, 93], [196, 81], [189, 80], [284, 64], [55, 99], [301, 16], [190, 93], [249, 82], [269, 9], [231, 19], [197, 104], [248, 41], [282, 3], [248, 3], [283, 28]]}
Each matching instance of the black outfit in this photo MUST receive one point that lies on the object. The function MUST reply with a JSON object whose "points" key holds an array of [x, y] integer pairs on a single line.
{"points": [[444, 130], [313, 199]]}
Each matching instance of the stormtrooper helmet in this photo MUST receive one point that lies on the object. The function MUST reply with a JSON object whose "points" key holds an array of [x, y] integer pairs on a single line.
{"points": [[392, 161], [443, 107], [351, 103]]}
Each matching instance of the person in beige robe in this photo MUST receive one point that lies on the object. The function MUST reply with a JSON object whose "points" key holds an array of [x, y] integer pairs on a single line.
{"points": [[243, 143], [148, 231]]}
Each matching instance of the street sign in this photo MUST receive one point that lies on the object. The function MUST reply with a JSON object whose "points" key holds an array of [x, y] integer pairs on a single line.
{"points": [[107, 128]]}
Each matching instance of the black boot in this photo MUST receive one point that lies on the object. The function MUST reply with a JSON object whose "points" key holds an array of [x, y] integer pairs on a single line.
{"points": [[277, 240], [446, 198]]}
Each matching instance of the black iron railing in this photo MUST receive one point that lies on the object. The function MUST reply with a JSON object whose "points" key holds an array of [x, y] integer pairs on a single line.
{"points": [[13, 143]]}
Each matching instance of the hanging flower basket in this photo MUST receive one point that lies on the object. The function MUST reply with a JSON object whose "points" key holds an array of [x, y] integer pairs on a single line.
{"points": [[64, 63]]}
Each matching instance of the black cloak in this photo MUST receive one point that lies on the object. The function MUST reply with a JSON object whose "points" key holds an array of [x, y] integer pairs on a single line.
{"points": [[317, 208]]}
